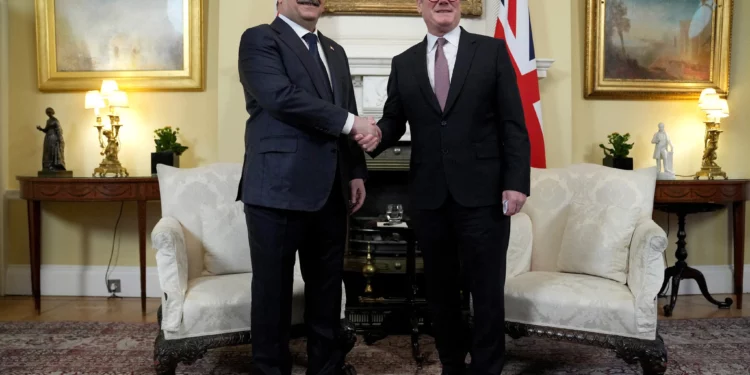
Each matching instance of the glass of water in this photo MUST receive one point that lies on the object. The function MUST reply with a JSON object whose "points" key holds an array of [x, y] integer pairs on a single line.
{"points": [[394, 213]]}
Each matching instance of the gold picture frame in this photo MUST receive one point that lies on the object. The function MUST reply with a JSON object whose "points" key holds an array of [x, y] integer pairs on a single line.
{"points": [[79, 46], [469, 8], [688, 49]]}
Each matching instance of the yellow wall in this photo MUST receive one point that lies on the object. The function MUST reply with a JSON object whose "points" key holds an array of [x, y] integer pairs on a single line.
{"points": [[212, 123], [3, 132], [81, 234], [708, 241]]}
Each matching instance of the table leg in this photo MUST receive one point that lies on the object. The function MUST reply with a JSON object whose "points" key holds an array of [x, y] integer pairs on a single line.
{"points": [[681, 271], [412, 299], [738, 219], [142, 250], [33, 208]]}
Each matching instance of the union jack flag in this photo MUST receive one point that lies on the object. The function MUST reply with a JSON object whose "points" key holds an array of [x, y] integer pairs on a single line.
{"points": [[514, 26]]}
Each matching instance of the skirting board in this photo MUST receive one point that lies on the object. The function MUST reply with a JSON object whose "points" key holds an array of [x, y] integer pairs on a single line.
{"points": [[86, 281], [89, 281]]}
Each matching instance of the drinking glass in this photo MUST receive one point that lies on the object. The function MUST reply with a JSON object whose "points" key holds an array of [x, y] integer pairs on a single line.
{"points": [[394, 213]]}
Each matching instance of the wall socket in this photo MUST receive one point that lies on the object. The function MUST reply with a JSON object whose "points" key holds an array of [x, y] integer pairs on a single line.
{"points": [[114, 286]]}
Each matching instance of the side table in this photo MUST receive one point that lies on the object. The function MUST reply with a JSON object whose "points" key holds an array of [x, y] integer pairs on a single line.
{"points": [[84, 189], [405, 230], [683, 197]]}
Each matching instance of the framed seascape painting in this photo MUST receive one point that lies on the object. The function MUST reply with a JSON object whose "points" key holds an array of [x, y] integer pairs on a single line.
{"points": [[469, 8], [656, 49], [146, 45]]}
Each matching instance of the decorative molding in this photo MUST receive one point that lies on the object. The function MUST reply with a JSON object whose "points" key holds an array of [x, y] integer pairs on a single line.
{"points": [[60, 280], [88, 281], [13, 194], [542, 65]]}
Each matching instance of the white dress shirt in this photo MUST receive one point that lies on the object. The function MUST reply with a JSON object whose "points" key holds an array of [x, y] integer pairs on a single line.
{"points": [[301, 31], [450, 48]]}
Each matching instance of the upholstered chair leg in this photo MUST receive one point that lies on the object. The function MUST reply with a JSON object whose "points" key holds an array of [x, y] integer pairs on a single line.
{"points": [[165, 359], [654, 357]]}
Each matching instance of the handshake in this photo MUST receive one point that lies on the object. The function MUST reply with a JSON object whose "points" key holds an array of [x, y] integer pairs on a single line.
{"points": [[366, 133]]}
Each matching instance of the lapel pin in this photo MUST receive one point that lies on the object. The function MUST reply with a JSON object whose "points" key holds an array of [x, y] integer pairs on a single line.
{"points": [[331, 48]]}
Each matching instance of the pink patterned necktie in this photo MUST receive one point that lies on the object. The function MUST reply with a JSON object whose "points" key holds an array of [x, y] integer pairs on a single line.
{"points": [[442, 76]]}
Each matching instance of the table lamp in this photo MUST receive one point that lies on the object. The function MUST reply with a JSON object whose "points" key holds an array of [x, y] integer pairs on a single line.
{"points": [[716, 108], [109, 139]]}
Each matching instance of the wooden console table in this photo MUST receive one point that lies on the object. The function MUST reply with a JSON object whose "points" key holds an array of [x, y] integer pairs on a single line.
{"points": [[683, 197], [84, 189]]}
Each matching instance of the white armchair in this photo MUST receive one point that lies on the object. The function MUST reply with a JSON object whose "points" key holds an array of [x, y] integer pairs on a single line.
{"points": [[585, 262], [204, 268]]}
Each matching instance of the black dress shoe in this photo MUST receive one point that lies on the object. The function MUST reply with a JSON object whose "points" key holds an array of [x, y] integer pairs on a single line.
{"points": [[348, 370]]}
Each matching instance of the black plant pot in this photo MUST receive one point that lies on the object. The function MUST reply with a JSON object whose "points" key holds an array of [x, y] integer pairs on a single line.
{"points": [[619, 163], [164, 157]]}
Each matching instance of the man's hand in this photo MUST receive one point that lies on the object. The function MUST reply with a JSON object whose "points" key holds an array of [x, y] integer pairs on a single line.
{"points": [[366, 133], [357, 187], [515, 201], [369, 142]]}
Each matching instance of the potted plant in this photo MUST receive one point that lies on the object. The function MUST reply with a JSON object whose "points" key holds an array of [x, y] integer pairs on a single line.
{"points": [[168, 150], [617, 155]]}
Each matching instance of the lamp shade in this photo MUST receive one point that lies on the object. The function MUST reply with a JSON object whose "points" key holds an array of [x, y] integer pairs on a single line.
{"points": [[108, 86], [94, 100], [118, 99]]}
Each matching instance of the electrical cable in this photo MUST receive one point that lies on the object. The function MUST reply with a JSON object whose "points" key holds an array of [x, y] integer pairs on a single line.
{"points": [[114, 237]]}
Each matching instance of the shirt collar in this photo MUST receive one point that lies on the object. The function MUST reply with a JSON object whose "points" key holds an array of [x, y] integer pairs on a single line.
{"points": [[301, 31], [452, 37]]}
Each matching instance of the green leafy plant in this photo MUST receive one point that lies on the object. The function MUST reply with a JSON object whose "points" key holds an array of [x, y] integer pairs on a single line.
{"points": [[166, 140], [620, 148]]}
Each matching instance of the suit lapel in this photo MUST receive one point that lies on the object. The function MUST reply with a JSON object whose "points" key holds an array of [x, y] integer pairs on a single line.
{"points": [[423, 80], [466, 49], [290, 38], [334, 66]]}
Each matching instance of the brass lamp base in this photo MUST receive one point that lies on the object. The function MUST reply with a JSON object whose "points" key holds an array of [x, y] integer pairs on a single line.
{"points": [[709, 168], [711, 173], [106, 167]]}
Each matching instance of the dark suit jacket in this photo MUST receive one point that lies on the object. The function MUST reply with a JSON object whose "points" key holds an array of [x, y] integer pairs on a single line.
{"points": [[479, 145], [293, 139]]}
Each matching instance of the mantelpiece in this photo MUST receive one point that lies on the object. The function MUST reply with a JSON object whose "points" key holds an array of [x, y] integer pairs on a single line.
{"points": [[370, 79]]}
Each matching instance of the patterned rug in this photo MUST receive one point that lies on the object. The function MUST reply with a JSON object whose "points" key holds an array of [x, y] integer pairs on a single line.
{"points": [[705, 346]]}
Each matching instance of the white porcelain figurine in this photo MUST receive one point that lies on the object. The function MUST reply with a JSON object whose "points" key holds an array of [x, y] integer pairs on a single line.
{"points": [[663, 151]]}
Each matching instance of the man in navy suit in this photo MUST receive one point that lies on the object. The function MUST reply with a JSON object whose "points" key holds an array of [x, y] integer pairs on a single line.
{"points": [[470, 172], [302, 175]]}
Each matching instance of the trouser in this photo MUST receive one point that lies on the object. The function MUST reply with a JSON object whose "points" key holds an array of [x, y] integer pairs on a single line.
{"points": [[449, 237], [275, 236]]}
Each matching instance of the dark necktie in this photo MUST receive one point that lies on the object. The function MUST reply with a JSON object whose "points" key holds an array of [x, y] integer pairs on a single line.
{"points": [[312, 42], [442, 75]]}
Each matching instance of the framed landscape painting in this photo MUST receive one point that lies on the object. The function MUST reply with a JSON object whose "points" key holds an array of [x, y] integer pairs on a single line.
{"points": [[469, 8], [656, 49], [146, 45]]}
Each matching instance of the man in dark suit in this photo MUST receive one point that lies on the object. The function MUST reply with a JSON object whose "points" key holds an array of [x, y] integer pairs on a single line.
{"points": [[301, 177], [470, 153]]}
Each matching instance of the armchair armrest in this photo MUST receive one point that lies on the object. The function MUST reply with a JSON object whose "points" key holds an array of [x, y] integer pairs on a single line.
{"points": [[646, 271], [168, 240]]}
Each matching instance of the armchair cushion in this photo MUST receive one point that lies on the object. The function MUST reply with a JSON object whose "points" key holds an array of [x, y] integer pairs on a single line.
{"points": [[221, 304], [225, 240], [572, 301], [596, 240]]}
